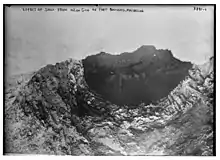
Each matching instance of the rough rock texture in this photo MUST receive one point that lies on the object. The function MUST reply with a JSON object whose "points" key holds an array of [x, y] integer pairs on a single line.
{"points": [[55, 112]]}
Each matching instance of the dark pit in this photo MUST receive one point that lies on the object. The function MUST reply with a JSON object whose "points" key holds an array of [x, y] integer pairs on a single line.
{"points": [[145, 75]]}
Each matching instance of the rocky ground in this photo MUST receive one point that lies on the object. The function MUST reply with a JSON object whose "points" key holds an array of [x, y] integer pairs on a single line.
{"points": [[53, 111]]}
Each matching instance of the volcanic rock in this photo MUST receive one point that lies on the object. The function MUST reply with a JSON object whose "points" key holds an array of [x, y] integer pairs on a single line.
{"points": [[54, 111]]}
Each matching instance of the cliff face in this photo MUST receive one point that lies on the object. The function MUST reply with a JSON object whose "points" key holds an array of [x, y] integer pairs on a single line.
{"points": [[53, 111], [144, 75]]}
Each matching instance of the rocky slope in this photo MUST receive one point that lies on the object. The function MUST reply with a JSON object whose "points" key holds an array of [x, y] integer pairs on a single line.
{"points": [[53, 111]]}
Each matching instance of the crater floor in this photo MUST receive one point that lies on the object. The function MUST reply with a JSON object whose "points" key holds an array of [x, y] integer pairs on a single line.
{"points": [[145, 75]]}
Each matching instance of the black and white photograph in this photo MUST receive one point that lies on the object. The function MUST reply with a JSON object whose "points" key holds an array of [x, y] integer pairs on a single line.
{"points": [[109, 80]]}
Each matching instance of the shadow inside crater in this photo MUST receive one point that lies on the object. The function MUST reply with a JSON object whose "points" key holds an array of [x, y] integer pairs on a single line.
{"points": [[145, 75]]}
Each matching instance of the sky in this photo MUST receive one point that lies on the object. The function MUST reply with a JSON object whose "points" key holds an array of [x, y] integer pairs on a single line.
{"points": [[37, 38]]}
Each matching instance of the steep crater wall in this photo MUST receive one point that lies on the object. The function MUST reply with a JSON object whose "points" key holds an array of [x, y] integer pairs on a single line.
{"points": [[145, 75], [58, 95]]}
